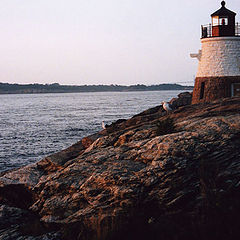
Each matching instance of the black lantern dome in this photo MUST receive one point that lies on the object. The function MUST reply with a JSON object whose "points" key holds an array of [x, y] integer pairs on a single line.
{"points": [[223, 11], [223, 24]]}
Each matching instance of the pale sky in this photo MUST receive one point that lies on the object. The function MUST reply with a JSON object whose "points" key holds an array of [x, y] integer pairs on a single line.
{"points": [[102, 41]]}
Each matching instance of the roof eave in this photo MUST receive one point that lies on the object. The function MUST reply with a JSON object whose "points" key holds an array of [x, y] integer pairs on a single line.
{"points": [[222, 12]]}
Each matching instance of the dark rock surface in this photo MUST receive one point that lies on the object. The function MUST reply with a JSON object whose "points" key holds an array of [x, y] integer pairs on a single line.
{"points": [[183, 99], [129, 182]]}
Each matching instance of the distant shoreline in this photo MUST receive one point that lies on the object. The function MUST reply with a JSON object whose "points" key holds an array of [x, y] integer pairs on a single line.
{"points": [[6, 88]]}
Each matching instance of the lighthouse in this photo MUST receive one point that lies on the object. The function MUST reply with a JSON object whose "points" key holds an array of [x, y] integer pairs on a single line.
{"points": [[218, 74]]}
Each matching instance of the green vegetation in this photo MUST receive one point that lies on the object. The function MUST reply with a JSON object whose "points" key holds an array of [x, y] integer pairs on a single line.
{"points": [[6, 88]]}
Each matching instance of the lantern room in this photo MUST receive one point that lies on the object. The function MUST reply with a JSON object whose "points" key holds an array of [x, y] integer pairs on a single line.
{"points": [[223, 24]]}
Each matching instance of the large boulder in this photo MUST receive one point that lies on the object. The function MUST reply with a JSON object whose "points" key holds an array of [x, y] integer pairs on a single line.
{"points": [[133, 182], [183, 99]]}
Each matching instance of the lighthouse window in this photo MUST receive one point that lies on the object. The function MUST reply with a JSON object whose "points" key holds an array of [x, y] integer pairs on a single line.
{"points": [[223, 21], [215, 21], [202, 90]]}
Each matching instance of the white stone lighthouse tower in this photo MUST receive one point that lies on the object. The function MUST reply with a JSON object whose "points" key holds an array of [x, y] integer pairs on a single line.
{"points": [[218, 74]]}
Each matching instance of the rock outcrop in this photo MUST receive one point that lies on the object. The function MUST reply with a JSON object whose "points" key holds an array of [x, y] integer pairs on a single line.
{"points": [[133, 181], [183, 99]]}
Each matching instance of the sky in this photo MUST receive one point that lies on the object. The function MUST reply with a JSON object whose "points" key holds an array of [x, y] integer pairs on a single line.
{"points": [[123, 42]]}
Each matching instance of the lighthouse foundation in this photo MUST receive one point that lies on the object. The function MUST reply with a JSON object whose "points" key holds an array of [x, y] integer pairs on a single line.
{"points": [[208, 89]]}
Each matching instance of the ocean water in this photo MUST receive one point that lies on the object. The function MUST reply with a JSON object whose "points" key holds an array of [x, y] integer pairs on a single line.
{"points": [[33, 126]]}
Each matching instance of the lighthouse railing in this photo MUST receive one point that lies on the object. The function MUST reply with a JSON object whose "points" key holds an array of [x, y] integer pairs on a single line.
{"points": [[207, 30], [237, 29]]}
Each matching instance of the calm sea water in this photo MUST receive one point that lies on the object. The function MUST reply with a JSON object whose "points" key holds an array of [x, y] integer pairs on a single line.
{"points": [[36, 125]]}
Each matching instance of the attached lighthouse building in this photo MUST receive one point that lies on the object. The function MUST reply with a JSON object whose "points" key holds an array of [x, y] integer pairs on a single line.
{"points": [[218, 74]]}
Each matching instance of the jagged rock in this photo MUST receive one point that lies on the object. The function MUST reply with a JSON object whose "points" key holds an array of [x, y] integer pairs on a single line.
{"points": [[183, 99], [127, 182]]}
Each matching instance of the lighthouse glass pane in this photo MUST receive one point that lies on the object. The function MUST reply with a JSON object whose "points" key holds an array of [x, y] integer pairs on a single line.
{"points": [[223, 21], [215, 21]]}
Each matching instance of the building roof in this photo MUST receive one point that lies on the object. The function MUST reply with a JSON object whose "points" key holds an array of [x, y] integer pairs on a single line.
{"points": [[223, 11]]}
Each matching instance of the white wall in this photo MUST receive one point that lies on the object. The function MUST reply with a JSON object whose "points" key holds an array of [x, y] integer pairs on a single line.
{"points": [[220, 56]]}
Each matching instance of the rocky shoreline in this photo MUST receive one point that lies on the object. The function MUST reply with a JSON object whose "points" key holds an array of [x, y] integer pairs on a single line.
{"points": [[155, 176]]}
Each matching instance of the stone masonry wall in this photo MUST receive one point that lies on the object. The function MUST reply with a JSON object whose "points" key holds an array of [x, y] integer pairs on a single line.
{"points": [[220, 56], [215, 88]]}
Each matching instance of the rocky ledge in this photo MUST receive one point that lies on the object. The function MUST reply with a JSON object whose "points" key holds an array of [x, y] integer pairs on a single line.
{"points": [[158, 176]]}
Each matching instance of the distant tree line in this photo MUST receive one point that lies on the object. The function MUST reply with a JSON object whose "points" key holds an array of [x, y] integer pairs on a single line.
{"points": [[6, 88]]}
